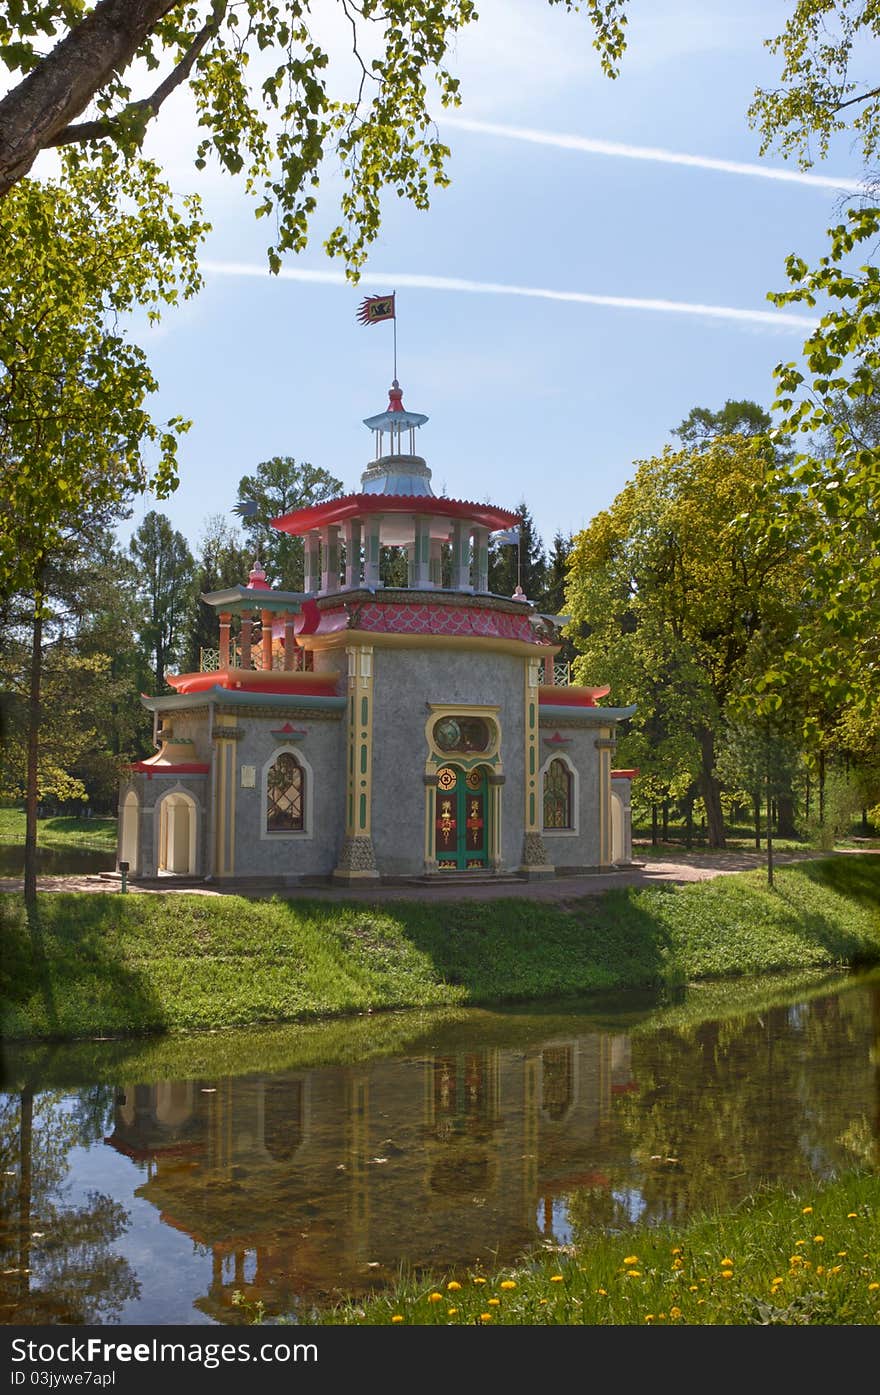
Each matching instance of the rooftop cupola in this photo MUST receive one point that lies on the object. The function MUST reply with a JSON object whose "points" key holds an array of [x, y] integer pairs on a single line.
{"points": [[396, 469]]}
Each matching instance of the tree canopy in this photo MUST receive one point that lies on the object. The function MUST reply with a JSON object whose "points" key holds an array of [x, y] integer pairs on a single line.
{"points": [[75, 428]]}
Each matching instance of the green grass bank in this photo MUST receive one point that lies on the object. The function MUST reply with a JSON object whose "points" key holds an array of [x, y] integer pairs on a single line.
{"points": [[777, 1260], [92, 965], [60, 832]]}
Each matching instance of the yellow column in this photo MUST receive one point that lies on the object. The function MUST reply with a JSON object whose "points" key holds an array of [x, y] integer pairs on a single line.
{"points": [[266, 622], [225, 734], [534, 857], [357, 860], [225, 622], [605, 745]]}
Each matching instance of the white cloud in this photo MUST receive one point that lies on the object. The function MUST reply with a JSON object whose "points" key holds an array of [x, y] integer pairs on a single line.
{"points": [[389, 281], [587, 146]]}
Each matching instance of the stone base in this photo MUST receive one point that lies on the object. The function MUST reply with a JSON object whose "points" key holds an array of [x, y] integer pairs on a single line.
{"points": [[534, 866], [534, 873], [357, 861]]}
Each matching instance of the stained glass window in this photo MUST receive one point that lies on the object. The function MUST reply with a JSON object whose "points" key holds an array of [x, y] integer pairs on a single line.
{"points": [[285, 802], [557, 795]]}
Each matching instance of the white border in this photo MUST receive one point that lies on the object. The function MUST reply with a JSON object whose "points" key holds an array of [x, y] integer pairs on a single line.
{"points": [[282, 835], [575, 811]]}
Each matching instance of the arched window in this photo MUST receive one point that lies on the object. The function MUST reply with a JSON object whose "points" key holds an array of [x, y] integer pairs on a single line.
{"points": [[285, 795], [557, 795]]}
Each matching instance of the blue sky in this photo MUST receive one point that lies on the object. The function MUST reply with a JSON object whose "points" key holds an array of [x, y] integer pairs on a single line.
{"points": [[543, 397]]}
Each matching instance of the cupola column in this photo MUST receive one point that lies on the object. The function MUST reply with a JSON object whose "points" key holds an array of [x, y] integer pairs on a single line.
{"points": [[419, 557], [461, 556], [225, 623], [352, 535], [372, 550], [312, 562], [247, 639], [435, 565], [266, 637], [481, 559], [330, 558], [289, 642]]}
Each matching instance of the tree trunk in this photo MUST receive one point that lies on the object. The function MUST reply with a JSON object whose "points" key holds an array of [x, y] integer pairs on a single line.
{"points": [[711, 791], [654, 825], [666, 820], [769, 836], [33, 751], [785, 827], [757, 823], [821, 789], [61, 86]]}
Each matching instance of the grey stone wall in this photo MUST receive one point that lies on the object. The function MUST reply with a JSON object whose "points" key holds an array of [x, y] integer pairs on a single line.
{"points": [[405, 682], [322, 750], [564, 850]]}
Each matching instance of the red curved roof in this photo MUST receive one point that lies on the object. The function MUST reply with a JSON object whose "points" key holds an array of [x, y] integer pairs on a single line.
{"points": [[351, 505]]}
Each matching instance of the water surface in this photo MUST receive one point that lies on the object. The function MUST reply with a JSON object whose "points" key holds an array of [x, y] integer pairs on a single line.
{"points": [[149, 1183]]}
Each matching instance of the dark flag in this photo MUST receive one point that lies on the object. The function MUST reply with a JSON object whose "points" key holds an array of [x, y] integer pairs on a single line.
{"points": [[376, 307]]}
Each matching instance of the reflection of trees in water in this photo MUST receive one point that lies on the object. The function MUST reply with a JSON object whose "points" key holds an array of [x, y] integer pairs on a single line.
{"points": [[725, 1107], [57, 1262]]}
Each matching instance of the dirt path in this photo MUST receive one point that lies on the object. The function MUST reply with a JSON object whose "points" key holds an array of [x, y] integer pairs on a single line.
{"points": [[685, 867]]}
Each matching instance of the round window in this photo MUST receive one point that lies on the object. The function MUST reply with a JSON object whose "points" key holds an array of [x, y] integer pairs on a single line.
{"points": [[463, 734]]}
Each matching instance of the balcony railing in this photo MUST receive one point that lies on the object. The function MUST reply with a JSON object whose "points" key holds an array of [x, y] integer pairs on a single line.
{"points": [[209, 659]]}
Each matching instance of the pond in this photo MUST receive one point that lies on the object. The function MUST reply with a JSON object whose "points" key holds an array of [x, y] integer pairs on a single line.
{"points": [[149, 1182], [56, 862]]}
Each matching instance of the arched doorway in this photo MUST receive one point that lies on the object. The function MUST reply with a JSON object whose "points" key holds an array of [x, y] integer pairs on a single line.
{"points": [[461, 819], [177, 834], [130, 841]]}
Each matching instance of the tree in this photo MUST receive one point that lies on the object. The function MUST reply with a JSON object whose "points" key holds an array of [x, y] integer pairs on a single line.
{"points": [[165, 583], [735, 418], [261, 85], [676, 598], [523, 564], [223, 561], [49, 701], [74, 426], [279, 486]]}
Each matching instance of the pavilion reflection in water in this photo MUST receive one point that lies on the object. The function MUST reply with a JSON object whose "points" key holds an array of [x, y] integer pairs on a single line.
{"points": [[317, 1183]]}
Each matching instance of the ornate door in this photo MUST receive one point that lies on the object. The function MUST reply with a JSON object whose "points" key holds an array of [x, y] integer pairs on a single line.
{"points": [[460, 822]]}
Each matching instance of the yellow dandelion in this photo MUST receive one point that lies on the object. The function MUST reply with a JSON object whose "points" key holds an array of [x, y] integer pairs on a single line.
{"points": [[649, 1317], [545, 1300], [662, 1317], [852, 1215], [478, 1279], [633, 1273], [795, 1259], [494, 1302], [485, 1317], [841, 1254], [453, 1286], [677, 1250], [631, 1259], [727, 1264], [693, 1289], [700, 1302], [508, 1283], [557, 1278], [800, 1242], [873, 1287], [678, 1264], [818, 1239], [435, 1297], [778, 1280], [807, 1211], [835, 1269], [820, 1268], [398, 1317], [452, 1312], [727, 1273], [603, 1292], [675, 1312]]}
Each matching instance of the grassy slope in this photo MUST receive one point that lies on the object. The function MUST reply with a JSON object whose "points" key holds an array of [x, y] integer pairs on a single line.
{"points": [[61, 833], [105, 964]]}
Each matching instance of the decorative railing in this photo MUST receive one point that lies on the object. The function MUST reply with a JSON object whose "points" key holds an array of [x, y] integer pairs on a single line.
{"points": [[561, 673], [209, 659]]}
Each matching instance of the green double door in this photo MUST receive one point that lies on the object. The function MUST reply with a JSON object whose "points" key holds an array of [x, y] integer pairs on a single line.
{"points": [[461, 825]]}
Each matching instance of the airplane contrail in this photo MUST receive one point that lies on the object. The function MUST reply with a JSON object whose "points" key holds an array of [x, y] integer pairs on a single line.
{"points": [[393, 280], [561, 141]]}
